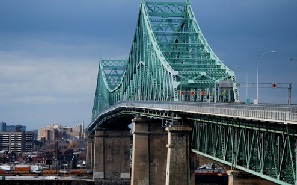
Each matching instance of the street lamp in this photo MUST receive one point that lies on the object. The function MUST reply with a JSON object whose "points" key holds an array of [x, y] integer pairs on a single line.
{"points": [[237, 79], [246, 86], [259, 57]]}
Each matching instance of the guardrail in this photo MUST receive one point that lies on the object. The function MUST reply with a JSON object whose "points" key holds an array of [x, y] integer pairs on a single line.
{"points": [[269, 112], [261, 111]]}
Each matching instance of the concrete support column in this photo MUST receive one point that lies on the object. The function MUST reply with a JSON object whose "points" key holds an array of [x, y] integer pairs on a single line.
{"points": [[148, 152], [98, 169], [90, 153], [112, 154], [236, 177], [178, 155]]}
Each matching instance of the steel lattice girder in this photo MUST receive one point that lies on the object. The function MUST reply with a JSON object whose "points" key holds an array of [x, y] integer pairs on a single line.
{"points": [[113, 71], [264, 149], [183, 44], [169, 55]]}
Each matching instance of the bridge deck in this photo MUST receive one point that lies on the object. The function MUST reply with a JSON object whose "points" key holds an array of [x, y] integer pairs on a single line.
{"points": [[265, 112]]}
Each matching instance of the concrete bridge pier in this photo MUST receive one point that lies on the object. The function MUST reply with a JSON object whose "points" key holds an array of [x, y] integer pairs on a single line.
{"points": [[149, 152], [90, 152], [111, 155], [178, 156]]}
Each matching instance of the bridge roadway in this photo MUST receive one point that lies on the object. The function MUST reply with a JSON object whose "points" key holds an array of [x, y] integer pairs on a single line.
{"points": [[257, 139], [282, 114]]}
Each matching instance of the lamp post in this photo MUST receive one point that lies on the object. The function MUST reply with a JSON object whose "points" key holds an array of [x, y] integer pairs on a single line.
{"points": [[259, 57], [237, 79], [246, 86], [290, 86]]}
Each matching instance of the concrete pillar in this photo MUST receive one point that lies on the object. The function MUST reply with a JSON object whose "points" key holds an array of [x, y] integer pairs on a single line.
{"points": [[178, 155], [148, 152], [236, 177], [90, 153], [112, 154]]}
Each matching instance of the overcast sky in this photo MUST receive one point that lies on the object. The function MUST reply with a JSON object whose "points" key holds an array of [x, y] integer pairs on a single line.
{"points": [[49, 51]]}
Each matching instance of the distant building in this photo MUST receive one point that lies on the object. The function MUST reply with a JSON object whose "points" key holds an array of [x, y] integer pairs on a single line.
{"points": [[11, 128], [45, 134], [15, 128], [16, 141], [57, 132], [2, 126]]}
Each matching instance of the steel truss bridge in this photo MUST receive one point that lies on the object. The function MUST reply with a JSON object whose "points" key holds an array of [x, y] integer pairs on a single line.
{"points": [[173, 75], [258, 139], [169, 60]]}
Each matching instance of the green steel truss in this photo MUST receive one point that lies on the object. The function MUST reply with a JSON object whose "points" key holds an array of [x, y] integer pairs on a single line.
{"points": [[169, 60], [264, 149]]}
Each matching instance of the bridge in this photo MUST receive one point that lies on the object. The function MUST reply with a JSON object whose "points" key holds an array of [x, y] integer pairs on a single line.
{"points": [[184, 105]]}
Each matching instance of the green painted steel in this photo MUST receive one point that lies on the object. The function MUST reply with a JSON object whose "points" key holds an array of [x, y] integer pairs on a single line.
{"points": [[265, 149], [169, 60], [258, 139]]}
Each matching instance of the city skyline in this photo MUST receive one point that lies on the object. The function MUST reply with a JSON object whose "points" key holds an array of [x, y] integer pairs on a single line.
{"points": [[49, 51]]}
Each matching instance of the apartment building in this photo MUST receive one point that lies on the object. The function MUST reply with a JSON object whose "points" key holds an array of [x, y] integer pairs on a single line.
{"points": [[16, 141]]}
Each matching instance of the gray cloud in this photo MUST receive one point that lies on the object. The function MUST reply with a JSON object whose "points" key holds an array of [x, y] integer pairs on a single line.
{"points": [[49, 50]]}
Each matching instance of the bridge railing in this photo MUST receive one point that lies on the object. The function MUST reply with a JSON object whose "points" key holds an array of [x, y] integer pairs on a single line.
{"points": [[264, 111]]}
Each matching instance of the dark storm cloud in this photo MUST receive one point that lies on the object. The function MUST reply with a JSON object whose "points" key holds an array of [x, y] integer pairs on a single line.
{"points": [[49, 50]]}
